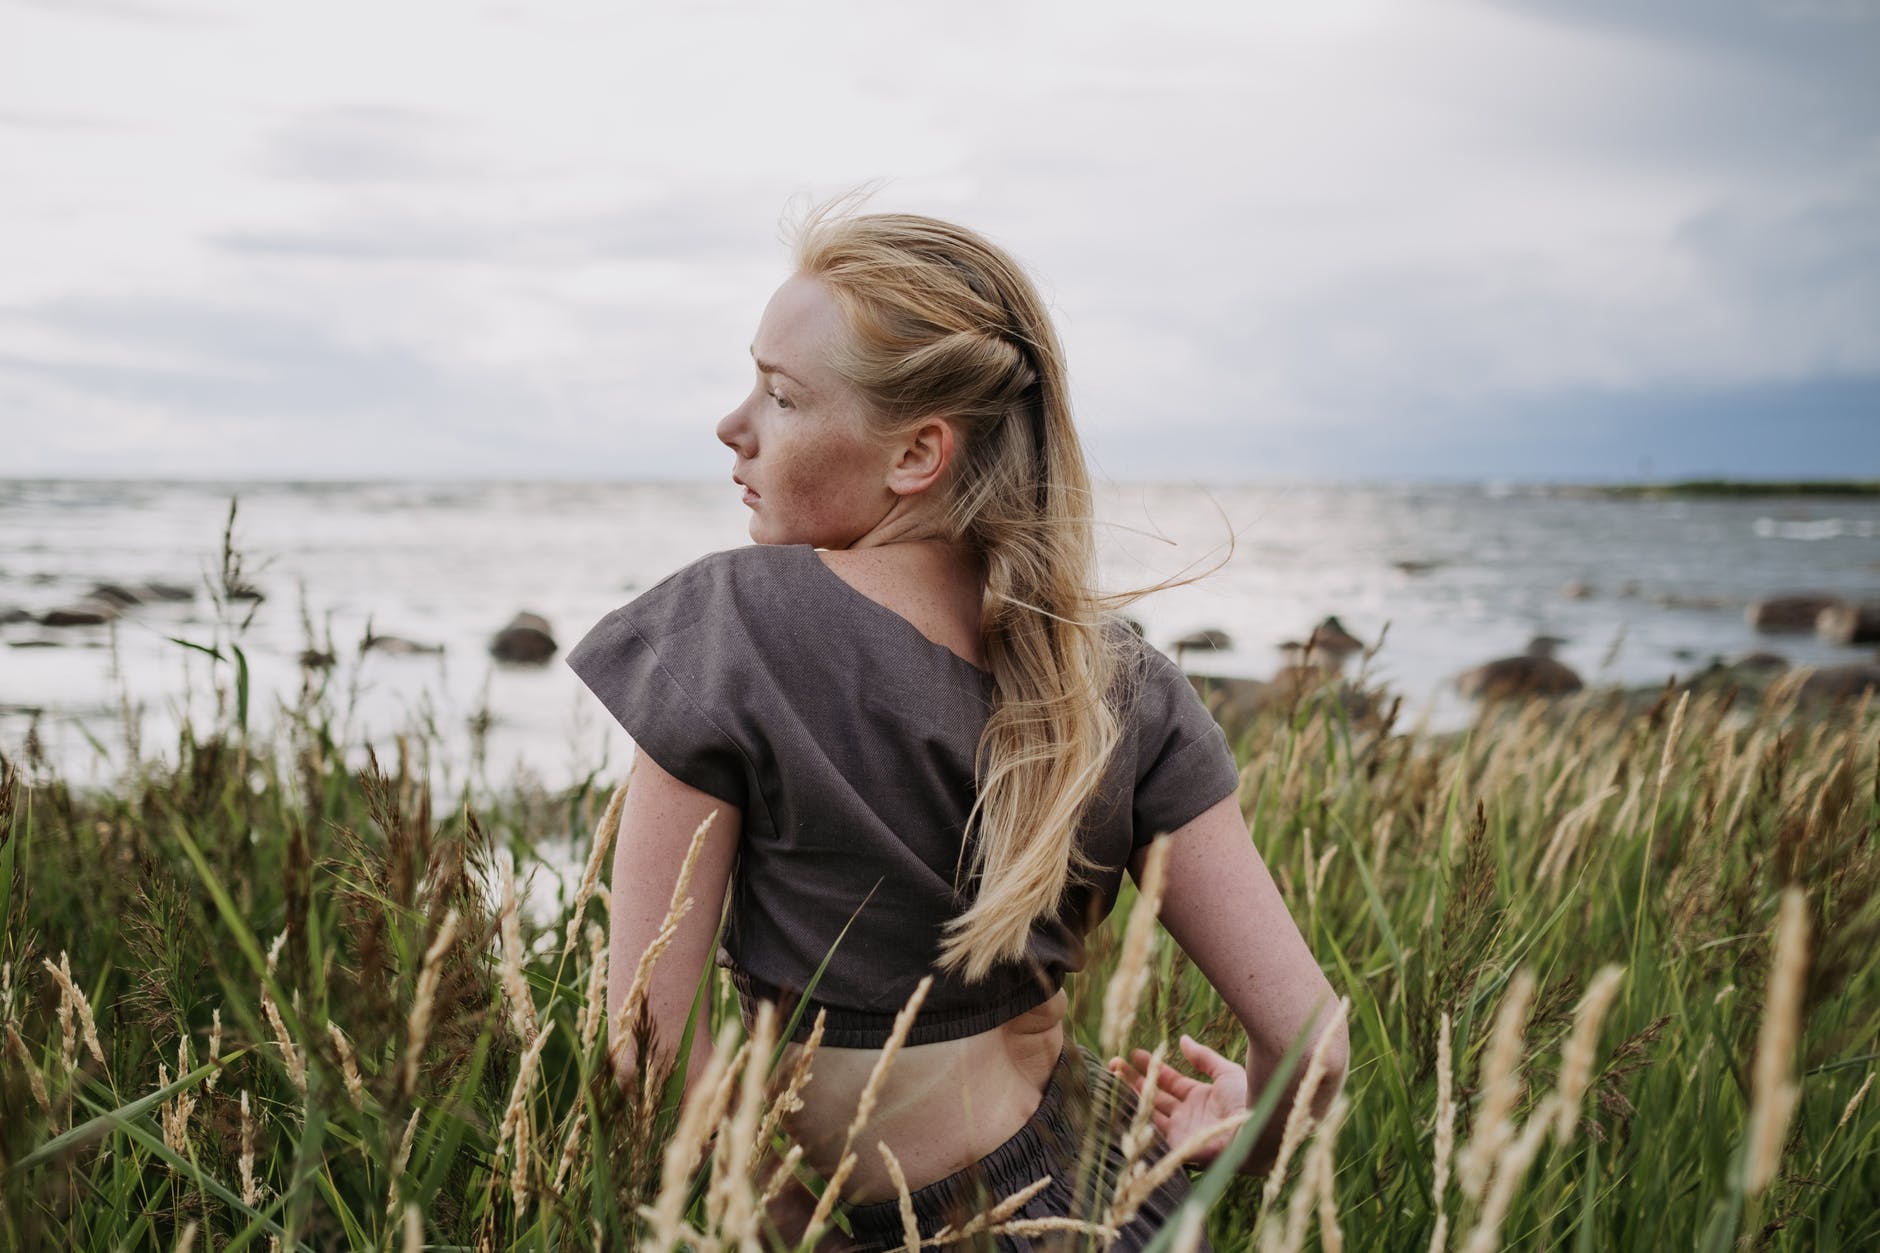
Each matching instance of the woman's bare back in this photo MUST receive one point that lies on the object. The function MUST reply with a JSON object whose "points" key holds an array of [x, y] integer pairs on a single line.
{"points": [[941, 1107]]}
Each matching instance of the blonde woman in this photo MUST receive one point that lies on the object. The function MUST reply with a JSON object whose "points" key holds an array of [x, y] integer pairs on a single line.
{"points": [[911, 717]]}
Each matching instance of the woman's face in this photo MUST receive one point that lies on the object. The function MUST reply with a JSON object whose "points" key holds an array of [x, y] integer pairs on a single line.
{"points": [[811, 472]]}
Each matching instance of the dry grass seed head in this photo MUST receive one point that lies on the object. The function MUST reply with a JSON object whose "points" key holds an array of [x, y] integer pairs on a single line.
{"points": [[1773, 1092], [1509, 1167], [733, 1200], [1445, 1135], [251, 1191], [348, 1066], [17, 1047], [1492, 1125], [594, 1007], [430, 973], [989, 1219], [1853, 1102], [871, 1091], [1300, 1118], [676, 909], [1576, 1058], [588, 888], [910, 1226], [1125, 987], [790, 1099], [697, 1118], [515, 988]]}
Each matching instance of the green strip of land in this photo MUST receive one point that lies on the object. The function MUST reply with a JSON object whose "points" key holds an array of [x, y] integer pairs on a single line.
{"points": [[1746, 487]]}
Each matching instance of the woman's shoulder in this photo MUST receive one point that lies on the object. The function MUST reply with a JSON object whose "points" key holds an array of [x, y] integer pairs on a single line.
{"points": [[731, 580]]}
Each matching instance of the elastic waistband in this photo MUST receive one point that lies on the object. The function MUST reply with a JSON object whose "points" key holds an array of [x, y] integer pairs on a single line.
{"points": [[867, 1029], [1048, 1144]]}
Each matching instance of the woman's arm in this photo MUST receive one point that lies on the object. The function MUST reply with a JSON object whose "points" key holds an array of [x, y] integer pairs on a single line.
{"points": [[1222, 907], [656, 826]]}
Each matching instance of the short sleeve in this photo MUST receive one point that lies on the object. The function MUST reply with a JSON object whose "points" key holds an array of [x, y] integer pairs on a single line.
{"points": [[662, 665], [1183, 763]]}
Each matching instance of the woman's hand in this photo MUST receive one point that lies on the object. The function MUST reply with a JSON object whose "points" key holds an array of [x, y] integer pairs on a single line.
{"points": [[1185, 1105]]}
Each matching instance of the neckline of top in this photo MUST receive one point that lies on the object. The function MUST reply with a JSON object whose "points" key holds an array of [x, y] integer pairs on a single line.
{"points": [[808, 554]]}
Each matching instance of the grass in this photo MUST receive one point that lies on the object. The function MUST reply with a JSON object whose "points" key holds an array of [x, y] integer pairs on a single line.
{"points": [[1613, 984]]}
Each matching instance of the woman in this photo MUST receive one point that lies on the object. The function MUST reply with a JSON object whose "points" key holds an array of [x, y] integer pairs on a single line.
{"points": [[912, 721]]}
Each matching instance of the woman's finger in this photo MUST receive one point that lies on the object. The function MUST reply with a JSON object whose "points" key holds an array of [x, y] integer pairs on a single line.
{"points": [[1167, 1078], [1205, 1059]]}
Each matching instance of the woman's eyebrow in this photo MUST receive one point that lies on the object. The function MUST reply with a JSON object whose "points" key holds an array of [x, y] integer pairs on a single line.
{"points": [[768, 368]]}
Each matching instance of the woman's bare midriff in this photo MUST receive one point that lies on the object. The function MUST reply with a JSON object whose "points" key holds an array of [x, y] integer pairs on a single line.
{"points": [[942, 1106]]}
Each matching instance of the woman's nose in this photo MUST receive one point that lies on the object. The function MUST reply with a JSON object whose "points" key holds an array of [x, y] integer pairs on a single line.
{"points": [[734, 430]]}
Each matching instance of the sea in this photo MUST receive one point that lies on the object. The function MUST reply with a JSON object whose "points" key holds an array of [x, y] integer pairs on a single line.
{"points": [[1640, 589]]}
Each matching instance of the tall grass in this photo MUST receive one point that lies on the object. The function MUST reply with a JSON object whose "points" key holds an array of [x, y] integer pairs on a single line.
{"points": [[1613, 985]]}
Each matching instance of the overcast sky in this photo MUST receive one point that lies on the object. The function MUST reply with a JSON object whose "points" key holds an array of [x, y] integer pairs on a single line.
{"points": [[1347, 239]]}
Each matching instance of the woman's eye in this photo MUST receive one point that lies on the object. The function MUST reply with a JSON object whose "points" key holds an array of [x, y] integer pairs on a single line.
{"points": [[781, 402]]}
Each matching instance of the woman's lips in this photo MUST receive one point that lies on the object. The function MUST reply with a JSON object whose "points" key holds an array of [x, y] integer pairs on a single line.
{"points": [[749, 497]]}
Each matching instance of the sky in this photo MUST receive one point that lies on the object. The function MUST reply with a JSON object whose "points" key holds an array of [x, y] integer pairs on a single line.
{"points": [[1339, 240]]}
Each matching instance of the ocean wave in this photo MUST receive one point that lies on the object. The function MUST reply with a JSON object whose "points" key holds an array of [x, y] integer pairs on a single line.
{"points": [[1825, 528]]}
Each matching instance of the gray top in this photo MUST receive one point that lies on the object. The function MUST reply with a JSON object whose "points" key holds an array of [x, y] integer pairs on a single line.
{"points": [[847, 738]]}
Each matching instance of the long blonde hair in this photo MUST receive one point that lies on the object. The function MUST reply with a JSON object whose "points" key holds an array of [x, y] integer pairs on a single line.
{"points": [[942, 321]]}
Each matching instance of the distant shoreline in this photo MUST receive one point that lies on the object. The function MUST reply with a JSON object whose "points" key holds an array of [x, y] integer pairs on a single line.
{"points": [[1738, 487], [1588, 488]]}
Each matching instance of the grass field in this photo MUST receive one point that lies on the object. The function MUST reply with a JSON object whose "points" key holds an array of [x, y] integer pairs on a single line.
{"points": [[1613, 985]]}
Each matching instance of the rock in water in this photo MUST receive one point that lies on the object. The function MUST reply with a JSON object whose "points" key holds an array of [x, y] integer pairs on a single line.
{"points": [[119, 595], [1831, 683], [1849, 624], [1534, 673], [1212, 640], [1330, 638], [396, 645], [81, 613], [1788, 613], [1234, 702], [527, 640], [155, 590]]}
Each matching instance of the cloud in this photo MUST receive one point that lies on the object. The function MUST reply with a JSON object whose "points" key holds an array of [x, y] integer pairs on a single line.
{"points": [[706, 227], [1257, 227], [364, 144], [140, 11]]}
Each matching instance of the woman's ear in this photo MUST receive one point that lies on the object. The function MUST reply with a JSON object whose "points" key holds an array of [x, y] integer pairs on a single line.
{"points": [[922, 457]]}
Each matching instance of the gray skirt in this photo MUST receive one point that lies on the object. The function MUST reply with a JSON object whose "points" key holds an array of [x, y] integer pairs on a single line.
{"points": [[1054, 1143]]}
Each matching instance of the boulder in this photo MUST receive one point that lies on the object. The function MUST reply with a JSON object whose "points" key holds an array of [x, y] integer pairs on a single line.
{"points": [[527, 640], [396, 645], [1533, 673], [1576, 589], [12, 614], [1681, 600], [119, 595], [315, 659], [1790, 614], [1833, 683], [154, 590], [1212, 640], [1849, 623], [1331, 637], [1233, 701], [1414, 567], [80, 613]]}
